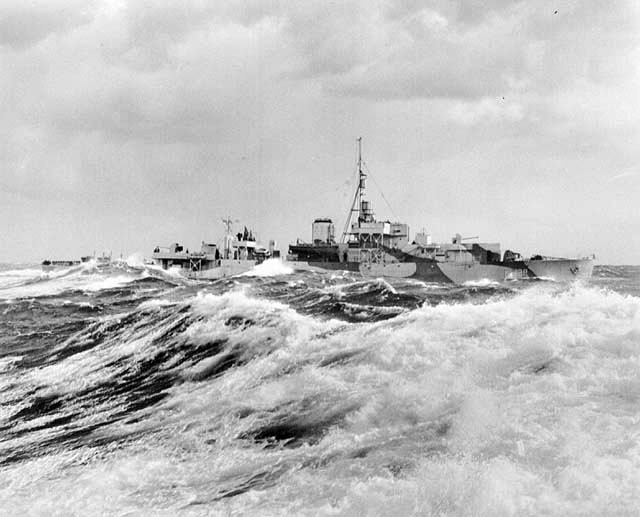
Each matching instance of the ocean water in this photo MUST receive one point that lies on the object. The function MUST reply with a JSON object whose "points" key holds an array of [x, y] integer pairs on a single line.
{"points": [[129, 391]]}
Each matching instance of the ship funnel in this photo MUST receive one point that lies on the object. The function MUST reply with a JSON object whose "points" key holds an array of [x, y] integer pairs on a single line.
{"points": [[323, 231]]}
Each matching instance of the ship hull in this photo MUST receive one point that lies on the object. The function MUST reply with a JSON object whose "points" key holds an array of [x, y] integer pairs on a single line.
{"points": [[427, 270], [222, 269], [57, 265], [561, 270]]}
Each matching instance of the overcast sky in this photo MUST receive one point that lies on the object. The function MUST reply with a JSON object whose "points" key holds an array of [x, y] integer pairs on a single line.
{"points": [[126, 124]]}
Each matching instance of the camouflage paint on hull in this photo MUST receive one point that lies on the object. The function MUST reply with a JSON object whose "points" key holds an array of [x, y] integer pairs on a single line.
{"points": [[561, 270], [321, 266], [425, 270], [429, 270], [462, 273]]}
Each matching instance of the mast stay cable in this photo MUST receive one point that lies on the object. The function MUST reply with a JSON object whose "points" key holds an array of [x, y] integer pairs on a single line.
{"points": [[380, 190]]}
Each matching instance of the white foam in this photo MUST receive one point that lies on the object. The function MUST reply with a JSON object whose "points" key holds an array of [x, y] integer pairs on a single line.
{"points": [[16, 277], [270, 267], [155, 304], [136, 260], [21, 273], [8, 362], [108, 282], [522, 405], [83, 277], [483, 282]]}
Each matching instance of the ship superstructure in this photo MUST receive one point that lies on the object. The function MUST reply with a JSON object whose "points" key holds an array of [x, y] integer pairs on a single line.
{"points": [[99, 261], [237, 254], [384, 248]]}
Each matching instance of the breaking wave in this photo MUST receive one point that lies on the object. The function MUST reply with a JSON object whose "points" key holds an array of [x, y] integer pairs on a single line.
{"points": [[270, 267], [128, 391]]}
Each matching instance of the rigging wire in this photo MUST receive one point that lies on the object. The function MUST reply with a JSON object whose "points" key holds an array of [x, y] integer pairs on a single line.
{"points": [[350, 214], [346, 223], [381, 191]]}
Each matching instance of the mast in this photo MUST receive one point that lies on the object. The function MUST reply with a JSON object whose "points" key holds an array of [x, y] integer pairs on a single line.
{"points": [[361, 183], [228, 238], [359, 204]]}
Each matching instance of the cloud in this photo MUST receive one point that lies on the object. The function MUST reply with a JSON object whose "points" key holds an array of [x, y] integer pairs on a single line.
{"points": [[631, 173], [158, 107], [143, 74], [24, 24], [460, 50], [469, 113]]}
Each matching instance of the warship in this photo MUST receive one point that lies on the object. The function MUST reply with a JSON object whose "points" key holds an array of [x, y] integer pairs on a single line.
{"points": [[238, 254], [100, 261], [384, 249], [51, 265]]}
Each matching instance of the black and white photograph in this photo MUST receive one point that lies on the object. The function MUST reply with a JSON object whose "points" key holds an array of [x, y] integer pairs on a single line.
{"points": [[319, 258]]}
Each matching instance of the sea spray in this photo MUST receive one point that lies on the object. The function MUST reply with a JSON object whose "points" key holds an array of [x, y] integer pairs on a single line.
{"points": [[126, 390]]}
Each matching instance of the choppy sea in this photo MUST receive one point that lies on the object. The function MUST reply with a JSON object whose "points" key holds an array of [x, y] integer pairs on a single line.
{"points": [[129, 391]]}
